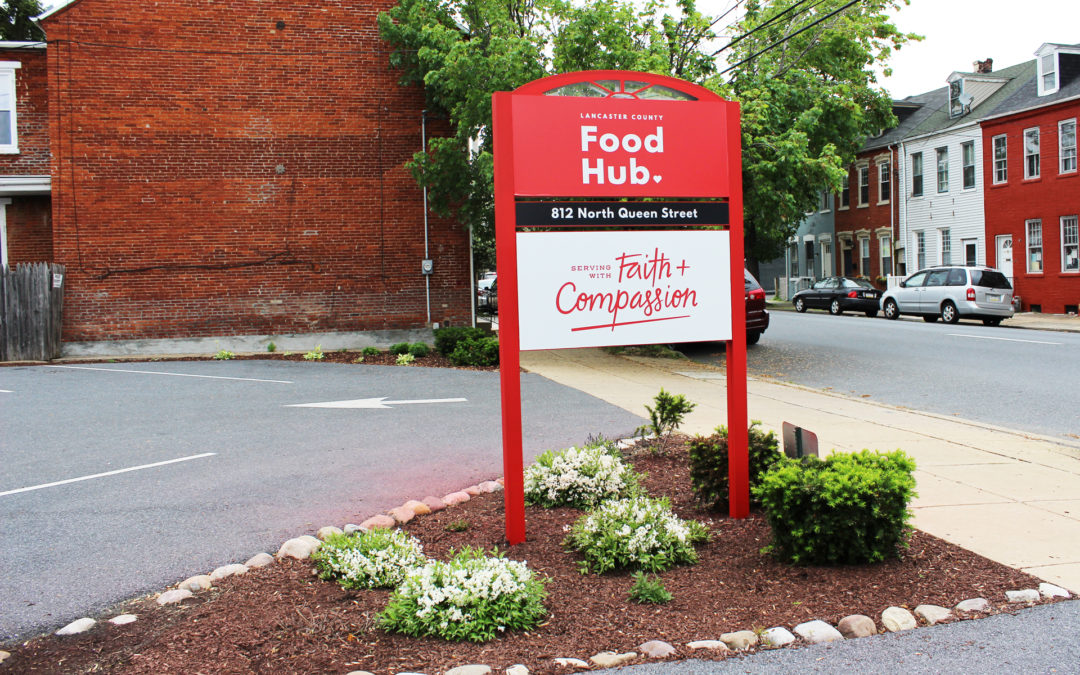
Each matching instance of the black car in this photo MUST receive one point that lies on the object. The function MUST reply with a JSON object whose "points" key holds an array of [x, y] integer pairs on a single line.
{"points": [[838, 295]]}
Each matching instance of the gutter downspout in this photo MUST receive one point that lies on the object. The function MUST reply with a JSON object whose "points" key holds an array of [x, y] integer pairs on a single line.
{"points": [[893, 216], [472, 280], [427, 277]]}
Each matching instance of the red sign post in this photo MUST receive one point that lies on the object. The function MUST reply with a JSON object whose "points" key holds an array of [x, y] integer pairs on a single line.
{"points": [[618, 136]]}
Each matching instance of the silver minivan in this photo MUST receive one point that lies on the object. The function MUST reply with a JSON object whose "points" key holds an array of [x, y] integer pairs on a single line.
{"points": [[952, 293]]}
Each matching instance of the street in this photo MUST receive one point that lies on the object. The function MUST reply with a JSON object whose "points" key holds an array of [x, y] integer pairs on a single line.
{"points": [[120, 479], [1001, 376]]}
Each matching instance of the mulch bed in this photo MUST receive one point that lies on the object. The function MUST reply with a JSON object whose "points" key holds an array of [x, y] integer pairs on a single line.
{"points": [[282, 619]]}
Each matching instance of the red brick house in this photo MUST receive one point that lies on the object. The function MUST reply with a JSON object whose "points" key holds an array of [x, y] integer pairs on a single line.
{"points": [[238, 168], [25, 211], [1032, 195]]}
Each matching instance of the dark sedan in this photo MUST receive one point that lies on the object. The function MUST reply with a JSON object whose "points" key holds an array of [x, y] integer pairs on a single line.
{"points": [[839, 295]]}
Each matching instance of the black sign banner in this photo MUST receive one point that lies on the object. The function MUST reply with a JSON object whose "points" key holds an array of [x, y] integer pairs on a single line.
{"points": [[556, 214]]}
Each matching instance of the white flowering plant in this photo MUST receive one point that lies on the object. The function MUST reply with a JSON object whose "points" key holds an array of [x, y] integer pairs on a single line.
{"points": [[473, 597], [579, 477], [638, 532], [374, 559]]}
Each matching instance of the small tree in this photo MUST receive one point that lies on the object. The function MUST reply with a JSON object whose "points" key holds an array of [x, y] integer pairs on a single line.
{"points": [[668, 414], [16, 21]]}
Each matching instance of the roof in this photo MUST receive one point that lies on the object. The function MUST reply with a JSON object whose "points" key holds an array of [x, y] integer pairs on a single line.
{"points": [[1027, 96]]}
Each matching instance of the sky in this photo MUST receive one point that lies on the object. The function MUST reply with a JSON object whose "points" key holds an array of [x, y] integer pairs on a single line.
{"points": [[959, 32]]}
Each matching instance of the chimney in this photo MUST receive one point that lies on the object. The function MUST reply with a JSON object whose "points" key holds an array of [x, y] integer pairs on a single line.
{"points": [[986, 66]]}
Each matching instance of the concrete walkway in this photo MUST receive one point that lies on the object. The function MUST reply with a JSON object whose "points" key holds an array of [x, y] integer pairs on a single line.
{"points": [[1013, 497]]}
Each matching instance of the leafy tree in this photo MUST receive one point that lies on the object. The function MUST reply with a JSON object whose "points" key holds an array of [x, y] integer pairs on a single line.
{"points": [[808, 96], [16, 20]]}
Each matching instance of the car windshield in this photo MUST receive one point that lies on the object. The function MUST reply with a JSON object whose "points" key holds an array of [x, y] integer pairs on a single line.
{"points": [[989, 279], [856, 283]]}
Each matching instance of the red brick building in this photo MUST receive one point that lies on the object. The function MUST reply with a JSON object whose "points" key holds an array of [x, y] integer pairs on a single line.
{"points": [[865, 213], [1032, 193], [25, 211], [238, 168]]}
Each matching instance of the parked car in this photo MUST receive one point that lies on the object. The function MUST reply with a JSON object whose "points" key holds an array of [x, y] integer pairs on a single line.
{"points": [[952, 293], [839, 295], [757, 317], [483, 289]]}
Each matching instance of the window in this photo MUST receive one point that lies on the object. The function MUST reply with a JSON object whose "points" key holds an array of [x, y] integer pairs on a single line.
{"points": [[864, 185], [971, 253], [956, 103], [845, 192], [967, 154], [1031, 153], [885, 251], [883, 182], [864, 256], [1001, 159], [809, 247], [957, 277], [946, 246], [1070, 245], [1048, 73], [1067, 145], [824, 199], [1034, 246], [916, 175], [920, 250], [9, 141], [942, 169]]}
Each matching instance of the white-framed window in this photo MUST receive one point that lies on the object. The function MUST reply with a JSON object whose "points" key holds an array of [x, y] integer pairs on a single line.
{"points": [[845, 192], [920, 250], [9, 136], [885, 252], [967, 157], [1048, 81], [864, 256], [956, 105], [946, 246], [864, 185], [916, 175], [1067, 146], [1070, 244], [1034, 246], [971, 252], [1031, 152], [823, 201], [942, 170], [884, 184], [1001, 159]]}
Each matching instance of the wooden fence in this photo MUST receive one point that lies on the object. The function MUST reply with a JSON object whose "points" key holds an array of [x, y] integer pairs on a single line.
{"points": [[31, 304]]}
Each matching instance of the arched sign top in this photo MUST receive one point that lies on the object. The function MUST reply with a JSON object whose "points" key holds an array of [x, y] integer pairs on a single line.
{"points": [[618, 84]]}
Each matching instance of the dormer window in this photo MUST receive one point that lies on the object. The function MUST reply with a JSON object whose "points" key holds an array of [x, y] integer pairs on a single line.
{"points": [[956, 105], [1048, 73]]}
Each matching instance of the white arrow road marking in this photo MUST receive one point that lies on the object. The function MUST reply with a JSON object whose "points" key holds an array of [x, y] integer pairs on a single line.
{"points": [[6, 391], [377, 403], [107, 473]]}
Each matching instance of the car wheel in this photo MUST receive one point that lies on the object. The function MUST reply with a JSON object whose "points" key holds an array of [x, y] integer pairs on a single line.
{"points": [[930, 318], [991, 322], [949, 313], [800, 306], [871, 313], [892, 312], [753, 337], [835, 309]]}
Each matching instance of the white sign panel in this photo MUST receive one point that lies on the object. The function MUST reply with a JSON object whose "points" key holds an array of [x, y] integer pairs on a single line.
{"points": [[593, 289]]}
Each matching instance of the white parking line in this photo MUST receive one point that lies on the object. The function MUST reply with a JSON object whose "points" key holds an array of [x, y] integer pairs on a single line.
{"points": [[6, 391], [155, 372], [986, 337], [107, 473]]}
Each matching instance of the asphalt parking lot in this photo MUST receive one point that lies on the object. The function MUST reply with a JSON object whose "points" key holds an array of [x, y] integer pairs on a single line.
{"points": [[122, 478]]}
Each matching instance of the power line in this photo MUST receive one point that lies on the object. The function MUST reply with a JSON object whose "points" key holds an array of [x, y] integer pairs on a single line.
{"points": [[766, 23]]}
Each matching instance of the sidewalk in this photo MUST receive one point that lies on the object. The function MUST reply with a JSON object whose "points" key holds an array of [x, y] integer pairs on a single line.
{"points": [[1013, 497]]}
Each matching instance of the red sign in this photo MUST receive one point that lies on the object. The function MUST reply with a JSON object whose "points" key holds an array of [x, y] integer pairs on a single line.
{"points": [[611, 147]]}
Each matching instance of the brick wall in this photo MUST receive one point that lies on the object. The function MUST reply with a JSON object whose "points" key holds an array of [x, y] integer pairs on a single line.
{"points": [[1047, 198], [216, 173]]}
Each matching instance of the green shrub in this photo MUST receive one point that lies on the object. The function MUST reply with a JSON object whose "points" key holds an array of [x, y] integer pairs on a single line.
{"points": [[224, 355], [446, 339], [271, 347], [709, 464], [845, 509], [405, 359], [648, 590], [638, 532], [579, 477], [470, 352], [370, 351], [471, 597], [315, 354], [668, 414], [399, 348], [419, 350], [372, 559]]}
